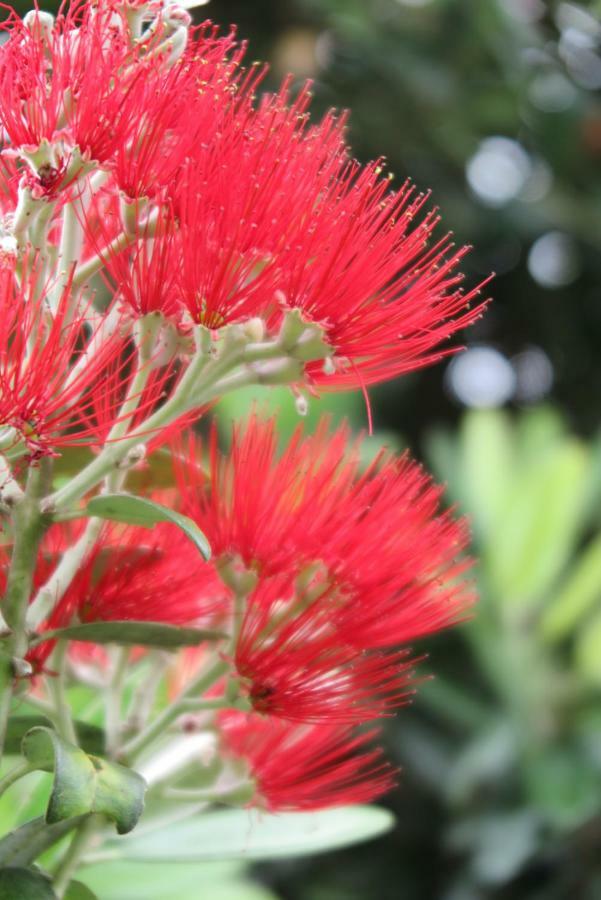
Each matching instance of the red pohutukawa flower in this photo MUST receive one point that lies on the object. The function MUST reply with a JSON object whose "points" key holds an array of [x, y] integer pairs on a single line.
{"points": [[166, 237], [45, 375], [350, 563], [376, 533], [130, 574], [66, 81], [298, 767], [295, 664]]}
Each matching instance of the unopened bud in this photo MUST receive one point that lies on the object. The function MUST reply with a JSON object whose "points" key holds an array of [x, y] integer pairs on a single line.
{"points": [[133, 457], [177, 44], [39, 22], [255, 329], [21, 667], [302, 404], [328, 367]]}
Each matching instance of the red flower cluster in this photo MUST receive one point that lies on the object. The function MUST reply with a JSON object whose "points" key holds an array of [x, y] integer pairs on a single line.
{"points": [[160, 225], [344, 566]]}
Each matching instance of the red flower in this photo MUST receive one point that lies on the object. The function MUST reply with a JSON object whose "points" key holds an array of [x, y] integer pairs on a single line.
{"points": [[142, 275], [295, 664], [245, 194], [66, 82], [376, 537], [175, 107], [43, 390], [306, 767], [137, 574], [362, 267]]}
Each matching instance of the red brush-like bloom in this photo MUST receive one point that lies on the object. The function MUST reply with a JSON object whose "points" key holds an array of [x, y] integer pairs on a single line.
{"points": [[306, 767], [137, 574], [364, 269], [67, 81], [349, 563], [245, 194], [142, 275], [44, 374], [175, 107], [376, 536], [295, 664]]}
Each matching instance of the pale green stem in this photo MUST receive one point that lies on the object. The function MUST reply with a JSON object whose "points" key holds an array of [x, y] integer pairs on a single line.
{"points": [[144, 696], [70, 862], [199, 686], [57, 686], [114, 699], [51, 592], [21, 769], [28, 529], [85, 271], [68, 254], [243, 789], [54, 589], [190, 393]]}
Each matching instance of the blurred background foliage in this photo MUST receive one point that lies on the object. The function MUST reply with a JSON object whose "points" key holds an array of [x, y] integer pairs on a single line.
{"points": [[495, 106]]}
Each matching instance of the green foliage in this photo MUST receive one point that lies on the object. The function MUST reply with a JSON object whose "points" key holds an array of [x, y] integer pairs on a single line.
{"points": [[238, 834], [90, 737], [134, 510], [84, 784], [26, 884]]}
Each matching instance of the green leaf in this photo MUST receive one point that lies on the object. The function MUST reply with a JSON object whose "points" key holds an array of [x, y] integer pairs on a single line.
{"points": [[26, 843], [536, 533], [78, 891], [125, 880], [580, 591], [588, 651], [237, 834], [134, 510], [91, 738], [24, 884], [488, 466], [148, 634], [85, 784]]}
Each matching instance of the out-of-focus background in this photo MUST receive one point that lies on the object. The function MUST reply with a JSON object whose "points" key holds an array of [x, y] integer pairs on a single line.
{"points": [[495, 106]]}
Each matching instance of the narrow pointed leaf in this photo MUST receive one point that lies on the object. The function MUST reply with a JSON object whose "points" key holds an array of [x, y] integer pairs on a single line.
{"points": [[239, 834], [134, 510], [84, 784], [148, 634]]}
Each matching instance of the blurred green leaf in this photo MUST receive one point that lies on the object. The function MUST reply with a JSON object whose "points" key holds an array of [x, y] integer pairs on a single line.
{"points": [[78, 891], [588, 651], [539, 526], [25, 884], [185, 881], [134, 510], [148, 634], [84, 784], [580, 591], [90, 737], [26, 843], [280, 401], [238, 834], [489, 462]]}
